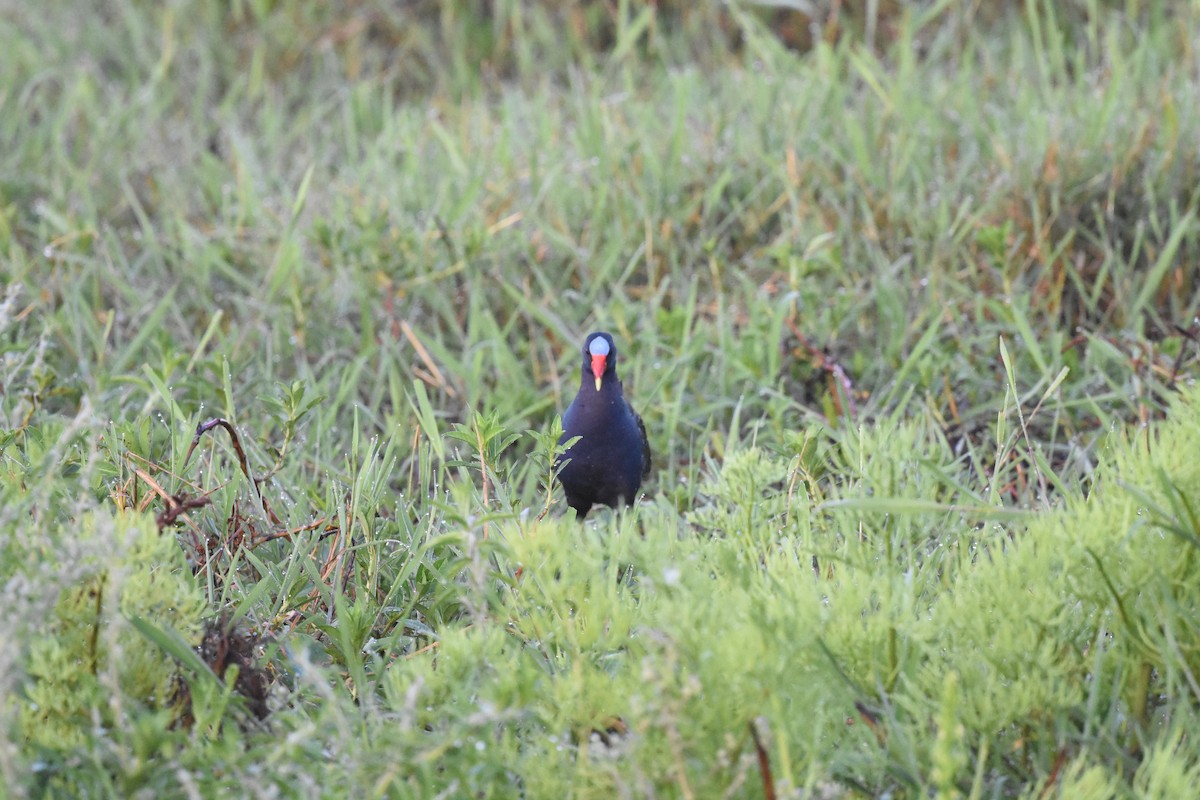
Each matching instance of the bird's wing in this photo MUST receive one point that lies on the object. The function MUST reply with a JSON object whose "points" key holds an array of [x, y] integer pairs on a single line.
{"points": [[645, 443]]}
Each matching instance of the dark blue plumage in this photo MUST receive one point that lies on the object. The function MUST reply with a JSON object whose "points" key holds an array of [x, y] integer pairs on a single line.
{"points": [[607, 465]]}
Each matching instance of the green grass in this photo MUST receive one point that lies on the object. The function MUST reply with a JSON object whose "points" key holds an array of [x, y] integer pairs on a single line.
{"points": [[909, 309]]}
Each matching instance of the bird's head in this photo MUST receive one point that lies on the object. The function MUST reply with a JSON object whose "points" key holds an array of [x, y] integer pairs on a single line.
{"points": [[599, 356]]}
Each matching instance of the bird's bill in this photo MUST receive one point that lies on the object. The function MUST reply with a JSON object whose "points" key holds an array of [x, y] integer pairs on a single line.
{"points": [[599, 363]]}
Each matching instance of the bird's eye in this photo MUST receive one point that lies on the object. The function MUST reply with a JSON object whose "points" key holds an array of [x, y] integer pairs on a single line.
{"points": [[598, 346]]}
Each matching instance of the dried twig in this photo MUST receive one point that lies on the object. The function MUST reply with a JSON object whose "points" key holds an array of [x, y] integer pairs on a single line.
{"points": [[177, 506], [330, 529], [872, 720], [1052, 779], [764, 762], [218, 422], [433, 376], [837, 374]]}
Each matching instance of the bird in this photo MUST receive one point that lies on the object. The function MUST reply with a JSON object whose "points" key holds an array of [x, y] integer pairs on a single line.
{"points": [[607, 465]]}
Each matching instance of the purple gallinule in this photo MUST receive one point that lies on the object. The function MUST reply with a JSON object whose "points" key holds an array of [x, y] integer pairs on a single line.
{"points": [[606, 466]]}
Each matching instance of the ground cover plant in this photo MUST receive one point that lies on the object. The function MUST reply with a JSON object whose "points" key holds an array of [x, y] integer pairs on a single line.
{"points": [[294, 293]]}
